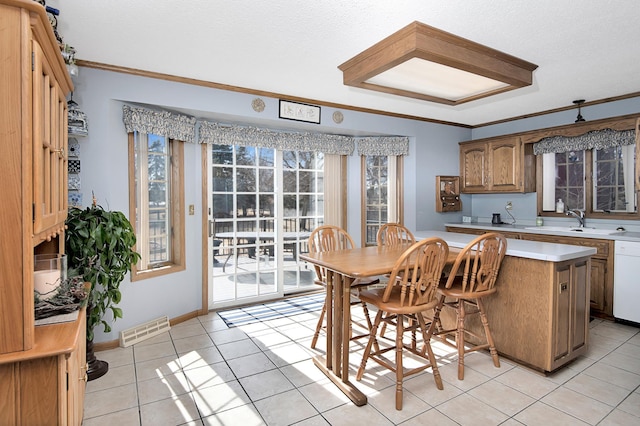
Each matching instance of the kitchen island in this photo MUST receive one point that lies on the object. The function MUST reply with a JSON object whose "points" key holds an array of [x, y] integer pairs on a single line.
{"points": [[539, 315]]}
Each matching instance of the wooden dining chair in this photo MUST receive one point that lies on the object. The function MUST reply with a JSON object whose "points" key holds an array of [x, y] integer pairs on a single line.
{"points": [[327, 238], [410, 291], [472, 277], [391, 234]]}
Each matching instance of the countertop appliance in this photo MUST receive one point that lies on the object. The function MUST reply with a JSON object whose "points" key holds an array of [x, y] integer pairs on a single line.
{"points": [[626, 287]]}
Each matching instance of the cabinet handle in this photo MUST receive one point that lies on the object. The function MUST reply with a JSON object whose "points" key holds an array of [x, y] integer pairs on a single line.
{"points": [[563, 287], [85, 376], [60, 152]]}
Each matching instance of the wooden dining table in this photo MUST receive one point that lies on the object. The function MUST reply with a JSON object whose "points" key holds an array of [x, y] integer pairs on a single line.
{"points": [[343, 268]]}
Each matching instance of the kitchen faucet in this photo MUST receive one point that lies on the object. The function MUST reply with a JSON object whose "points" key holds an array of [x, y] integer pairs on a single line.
{"points": [[578, 214]]}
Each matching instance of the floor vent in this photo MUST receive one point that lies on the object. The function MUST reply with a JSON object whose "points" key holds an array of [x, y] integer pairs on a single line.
{"points": [[144, 331]]}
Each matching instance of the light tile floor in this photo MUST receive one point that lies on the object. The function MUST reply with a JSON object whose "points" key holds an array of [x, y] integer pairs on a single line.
{"points": [[203, 372]]}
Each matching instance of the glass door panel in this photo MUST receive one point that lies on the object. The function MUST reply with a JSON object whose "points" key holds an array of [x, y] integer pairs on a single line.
{"points": [[254, 249]]}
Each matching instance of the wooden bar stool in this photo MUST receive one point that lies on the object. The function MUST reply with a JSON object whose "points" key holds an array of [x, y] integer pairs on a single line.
{"points": [[393, 234], [472, 277], [410, 292]]}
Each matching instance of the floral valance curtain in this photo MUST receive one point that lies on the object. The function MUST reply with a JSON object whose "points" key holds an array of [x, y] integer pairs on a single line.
{"points": [[183, 128], [216, 133], [163, 123], [385, 145], [596, 139]]}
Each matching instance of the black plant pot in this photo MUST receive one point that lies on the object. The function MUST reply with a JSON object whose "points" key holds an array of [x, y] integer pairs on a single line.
{"points": [[95, 367]]}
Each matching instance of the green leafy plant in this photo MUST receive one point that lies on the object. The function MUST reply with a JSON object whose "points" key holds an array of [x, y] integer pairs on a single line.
{"points": [[99, 246]]}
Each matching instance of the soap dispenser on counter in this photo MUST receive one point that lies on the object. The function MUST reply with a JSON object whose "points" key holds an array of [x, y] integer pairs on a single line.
{"points": [[559, 206]]}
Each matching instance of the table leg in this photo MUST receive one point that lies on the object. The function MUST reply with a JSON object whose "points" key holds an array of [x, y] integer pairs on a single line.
{"points": [[338, 320], [346, 325], [336, 363], [329, 316]]}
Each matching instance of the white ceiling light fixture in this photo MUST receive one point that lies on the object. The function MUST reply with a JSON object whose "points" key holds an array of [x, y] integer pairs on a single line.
{"points": [[423, 62]]}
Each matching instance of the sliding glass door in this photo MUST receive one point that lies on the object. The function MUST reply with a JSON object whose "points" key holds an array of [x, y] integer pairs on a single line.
{"points": [[262, 205]]}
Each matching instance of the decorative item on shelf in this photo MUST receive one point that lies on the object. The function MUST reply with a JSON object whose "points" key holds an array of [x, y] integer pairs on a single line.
{"points": [[52, 14], [63, 305], [77, 119], [338, 117], [69, 55], [73, 166], [99, 245], [74, 182], [258, 105], [75, 199], [74, 147], [49, 270], [448, 194]]}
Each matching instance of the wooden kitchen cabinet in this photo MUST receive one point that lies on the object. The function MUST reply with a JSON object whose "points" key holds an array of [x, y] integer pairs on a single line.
{"points": [[539, 315], [601, 273], [42, 369], [601, 290], [501, 164], [45, 385], [49, 149], [33, 127], [570, 309]]}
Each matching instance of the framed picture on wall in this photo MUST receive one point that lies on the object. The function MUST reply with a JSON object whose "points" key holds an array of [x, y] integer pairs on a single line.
{"points": [[299, 112]]}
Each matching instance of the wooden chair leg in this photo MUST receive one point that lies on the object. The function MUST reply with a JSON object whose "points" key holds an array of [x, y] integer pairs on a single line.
{"points": [[485, 324], [367, 317], [426, 335], [319, 326], [399, 367], [435, 323], [460, 339], [367, 349]]}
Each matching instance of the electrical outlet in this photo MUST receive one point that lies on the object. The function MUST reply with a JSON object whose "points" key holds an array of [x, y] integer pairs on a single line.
{"points": [[509, 206]]}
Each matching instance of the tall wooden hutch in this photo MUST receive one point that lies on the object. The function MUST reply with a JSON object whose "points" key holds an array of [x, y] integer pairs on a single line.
{"points": [[42, 368]]}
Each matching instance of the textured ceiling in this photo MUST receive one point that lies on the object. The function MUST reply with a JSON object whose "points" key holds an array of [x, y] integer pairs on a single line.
{"points": [[584, 49]]}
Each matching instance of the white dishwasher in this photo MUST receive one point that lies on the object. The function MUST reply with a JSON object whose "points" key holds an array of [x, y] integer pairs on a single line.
{"points": [[626, 287]]}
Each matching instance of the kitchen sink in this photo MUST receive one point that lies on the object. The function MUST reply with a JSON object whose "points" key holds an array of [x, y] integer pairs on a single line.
{"points": [[574, 229]]}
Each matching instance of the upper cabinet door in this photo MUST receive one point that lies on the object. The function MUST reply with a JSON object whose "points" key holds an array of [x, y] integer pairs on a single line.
{"points": [[473, 167], [496, 165], [49, 149], [504, 161]]}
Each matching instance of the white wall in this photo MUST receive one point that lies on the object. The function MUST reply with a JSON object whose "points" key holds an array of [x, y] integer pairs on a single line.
{"points": [[104, 160]]}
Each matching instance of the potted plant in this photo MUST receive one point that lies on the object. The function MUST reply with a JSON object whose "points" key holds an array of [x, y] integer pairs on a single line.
{"points": [[99, 246]]}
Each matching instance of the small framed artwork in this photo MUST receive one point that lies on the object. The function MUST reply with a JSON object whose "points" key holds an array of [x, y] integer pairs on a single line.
{"points": [[299, 112], [448, 194]]}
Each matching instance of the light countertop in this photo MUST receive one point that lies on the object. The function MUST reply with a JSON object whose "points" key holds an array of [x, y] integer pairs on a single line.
{"points": [[549, 252], [621, 236]]}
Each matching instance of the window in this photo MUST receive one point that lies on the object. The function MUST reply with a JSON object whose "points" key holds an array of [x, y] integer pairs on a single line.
{"points": [[598, 181], [381, 181], [613, 189], [156, 199], [569, 179]]}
